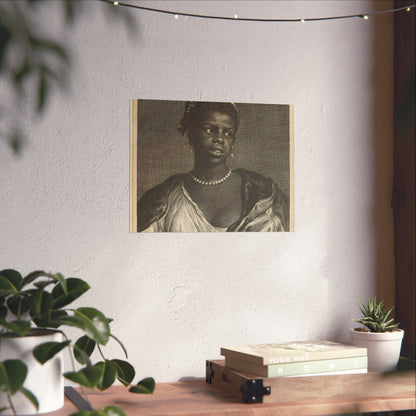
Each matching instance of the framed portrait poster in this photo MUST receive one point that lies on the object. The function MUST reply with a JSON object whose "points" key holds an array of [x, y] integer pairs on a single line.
{"points": [[200, 166]]}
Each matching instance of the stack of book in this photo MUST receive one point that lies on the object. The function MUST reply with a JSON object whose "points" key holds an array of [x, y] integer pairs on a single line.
{"points": [[296, 359]]}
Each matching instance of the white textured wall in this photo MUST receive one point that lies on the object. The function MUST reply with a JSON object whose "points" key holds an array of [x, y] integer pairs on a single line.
{"points": [[177, 298]]}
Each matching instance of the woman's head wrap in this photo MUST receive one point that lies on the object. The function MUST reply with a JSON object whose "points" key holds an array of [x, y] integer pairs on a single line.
{"points": [[194, 109]]}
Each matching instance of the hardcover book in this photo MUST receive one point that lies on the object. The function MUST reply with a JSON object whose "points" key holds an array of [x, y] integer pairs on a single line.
{"points": [[292, 352], [331, 373], [299, 368]]}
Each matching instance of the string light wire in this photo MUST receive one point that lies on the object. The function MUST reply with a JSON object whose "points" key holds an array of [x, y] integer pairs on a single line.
{"points": [[364, 16]]}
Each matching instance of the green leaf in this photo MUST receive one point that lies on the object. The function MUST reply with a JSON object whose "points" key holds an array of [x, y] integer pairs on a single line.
{"points": [[7, 287], [18, 327], [83, 413], [13, 276], [52, 46], [374, 317], [125, 371], [45, 351], [31, 277], [54, 277], [30, 396], [389, 312], [108, 374], [16, 139], [18, 305], [44, 283], [82, 357], [40, 304], [83, 349], [88, 377], [3, 312], [70, 11], [94, 325], [56, 315], [98, 328], [62, 281], [145, 386], [12, 375], [75, 288], [105, 411], [110, 411], [75, 321], [43, 89], [20, 73]]}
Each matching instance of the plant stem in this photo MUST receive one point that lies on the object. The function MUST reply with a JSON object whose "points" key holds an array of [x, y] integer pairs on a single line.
{"points": [[101, 353], [73, 369], [19, 310], [11, 404]]}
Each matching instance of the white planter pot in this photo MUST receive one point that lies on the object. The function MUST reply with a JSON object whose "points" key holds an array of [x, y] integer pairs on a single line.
{"points": [[383, 348], [44, 381]]}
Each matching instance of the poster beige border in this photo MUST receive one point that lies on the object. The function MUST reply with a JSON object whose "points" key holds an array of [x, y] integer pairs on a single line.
{"points": [[133, 165]]}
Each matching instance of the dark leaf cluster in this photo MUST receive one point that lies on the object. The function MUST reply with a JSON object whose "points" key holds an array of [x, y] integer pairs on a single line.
{"points": [[39, 62], [40, 300]]}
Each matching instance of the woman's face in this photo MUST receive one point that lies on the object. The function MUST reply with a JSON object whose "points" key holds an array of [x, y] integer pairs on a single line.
{"points": [[212, 136]]}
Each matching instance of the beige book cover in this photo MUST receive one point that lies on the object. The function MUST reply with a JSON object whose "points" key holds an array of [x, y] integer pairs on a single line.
{"points": [[267, 354]]}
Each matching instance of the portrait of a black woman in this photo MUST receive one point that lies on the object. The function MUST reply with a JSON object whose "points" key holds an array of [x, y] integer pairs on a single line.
{"points": [[212, 197]]}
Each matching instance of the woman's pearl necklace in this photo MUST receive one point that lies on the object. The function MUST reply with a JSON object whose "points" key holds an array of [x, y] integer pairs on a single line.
{"points": [[211, 183]]}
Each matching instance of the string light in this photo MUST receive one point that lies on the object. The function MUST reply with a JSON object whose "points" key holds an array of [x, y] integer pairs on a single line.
{"points": [[248, 19]]}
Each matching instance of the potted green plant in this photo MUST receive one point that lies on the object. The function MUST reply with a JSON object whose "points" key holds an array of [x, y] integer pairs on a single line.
{"points": [[381, 335], [34, 311]]}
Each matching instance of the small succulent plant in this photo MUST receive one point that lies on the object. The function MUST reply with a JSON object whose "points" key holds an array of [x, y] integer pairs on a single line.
{"points": [[375, 317]]}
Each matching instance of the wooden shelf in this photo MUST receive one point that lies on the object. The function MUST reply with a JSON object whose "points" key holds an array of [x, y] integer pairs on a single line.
{"points": [[374, 393]]}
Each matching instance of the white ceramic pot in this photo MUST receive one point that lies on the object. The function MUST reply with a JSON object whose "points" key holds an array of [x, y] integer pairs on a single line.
{"points": [[383, 348], [44, 381]]}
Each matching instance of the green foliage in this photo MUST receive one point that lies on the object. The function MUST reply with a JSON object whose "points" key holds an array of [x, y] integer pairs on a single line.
{"points": [[12, 375], [39, 62], [17, 326], [105, 411], [145, 386], [88, 376], [125, 371], [108, 374], [44, 352], [74, 289], [375, 317], [39, 301], [91, 321], [29, 395], [83, 348]]}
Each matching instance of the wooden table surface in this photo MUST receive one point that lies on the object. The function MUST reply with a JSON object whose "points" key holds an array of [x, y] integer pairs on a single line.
{"points": [[202, 399]]}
